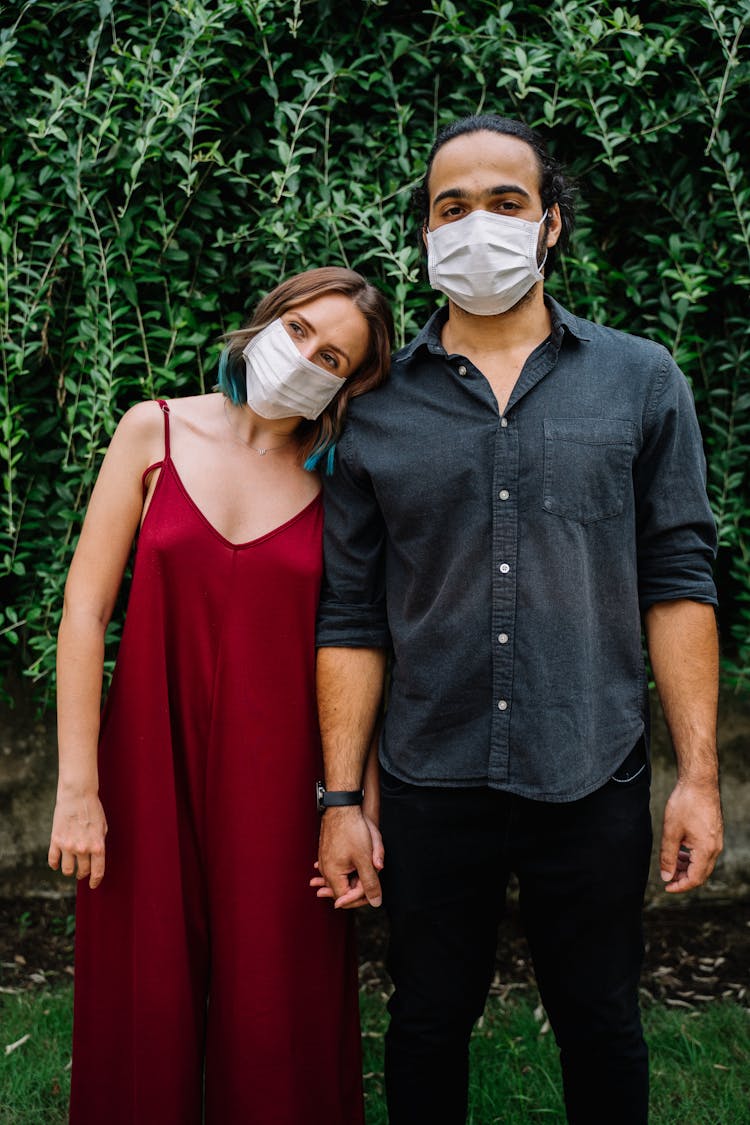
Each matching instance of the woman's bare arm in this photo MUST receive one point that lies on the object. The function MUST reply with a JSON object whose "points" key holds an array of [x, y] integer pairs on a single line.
{"points": [[79, 824]]}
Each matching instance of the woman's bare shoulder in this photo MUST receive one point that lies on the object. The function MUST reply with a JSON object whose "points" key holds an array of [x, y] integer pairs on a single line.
{"points": [[139, 437], [201, 413], [143, 424], [142, 420]]}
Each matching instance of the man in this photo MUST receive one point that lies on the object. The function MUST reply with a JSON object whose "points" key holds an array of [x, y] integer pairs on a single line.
{"points": [[506, 513]]}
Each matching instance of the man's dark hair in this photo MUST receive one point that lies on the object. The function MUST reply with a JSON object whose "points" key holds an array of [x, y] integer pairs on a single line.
{"points": [[554, 185]]}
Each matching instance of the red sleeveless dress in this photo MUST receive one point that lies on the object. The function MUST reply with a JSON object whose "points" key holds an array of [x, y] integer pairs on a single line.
{"points": [[206, 969]]}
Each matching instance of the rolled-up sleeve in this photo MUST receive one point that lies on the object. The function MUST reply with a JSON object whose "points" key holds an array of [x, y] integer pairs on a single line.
{"points": [[352, 611], [676, 532]]}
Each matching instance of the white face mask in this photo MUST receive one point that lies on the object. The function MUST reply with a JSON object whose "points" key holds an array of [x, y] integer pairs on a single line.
{"points": [[281, 383], [485, 262]]}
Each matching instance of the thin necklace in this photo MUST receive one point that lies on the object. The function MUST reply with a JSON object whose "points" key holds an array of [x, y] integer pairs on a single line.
{"points": [[260, 450]]}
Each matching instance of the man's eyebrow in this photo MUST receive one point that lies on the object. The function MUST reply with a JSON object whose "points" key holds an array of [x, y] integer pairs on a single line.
{"points": [[461, 193]]}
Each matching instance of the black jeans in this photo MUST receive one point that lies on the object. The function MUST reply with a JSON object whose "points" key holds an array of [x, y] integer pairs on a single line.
{"points": [[582, 870]]}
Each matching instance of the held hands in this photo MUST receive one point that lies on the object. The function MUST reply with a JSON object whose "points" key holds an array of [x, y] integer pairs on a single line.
{"points": [[77, 841], [692, 836], [350, 857]]}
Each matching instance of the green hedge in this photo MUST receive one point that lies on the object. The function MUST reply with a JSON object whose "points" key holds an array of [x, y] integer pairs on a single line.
{"points": [[163, 164]]}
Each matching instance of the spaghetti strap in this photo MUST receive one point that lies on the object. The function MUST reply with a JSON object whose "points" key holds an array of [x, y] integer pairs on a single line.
{"points": [[165, 412], [158, 464]]}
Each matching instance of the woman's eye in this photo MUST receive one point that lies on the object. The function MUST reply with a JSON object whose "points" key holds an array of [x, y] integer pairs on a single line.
{"points": [[294, 327], [329, 360]]}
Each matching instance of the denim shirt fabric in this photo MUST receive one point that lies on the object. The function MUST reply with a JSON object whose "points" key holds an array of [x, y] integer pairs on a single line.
{"points": [[507, 560]]}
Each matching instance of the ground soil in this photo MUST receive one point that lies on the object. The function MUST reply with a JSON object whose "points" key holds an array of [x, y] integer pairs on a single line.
{"points": [[696, 951]]}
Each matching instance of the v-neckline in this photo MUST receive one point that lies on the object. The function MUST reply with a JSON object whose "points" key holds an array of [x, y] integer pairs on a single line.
{"points": [[168, 463]]}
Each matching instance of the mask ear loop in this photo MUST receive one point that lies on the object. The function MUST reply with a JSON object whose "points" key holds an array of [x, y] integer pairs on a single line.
{"points": [[540, 265]]}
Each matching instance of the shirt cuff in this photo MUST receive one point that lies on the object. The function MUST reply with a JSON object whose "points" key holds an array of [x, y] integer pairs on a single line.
{"points": [[352, 626], [683, 577]]}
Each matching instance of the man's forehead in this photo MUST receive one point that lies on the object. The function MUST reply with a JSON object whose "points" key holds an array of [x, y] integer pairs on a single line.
{"points": [[495, 157]]}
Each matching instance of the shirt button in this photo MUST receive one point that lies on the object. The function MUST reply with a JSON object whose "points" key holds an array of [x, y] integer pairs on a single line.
{"points": [[502, 704], [462, 370], [504, 568], [504, 422], [504, 494], [502, 638]]}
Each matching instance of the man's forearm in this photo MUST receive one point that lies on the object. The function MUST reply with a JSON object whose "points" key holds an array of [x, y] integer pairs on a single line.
{"points": [[350, 689], [684, 652]]}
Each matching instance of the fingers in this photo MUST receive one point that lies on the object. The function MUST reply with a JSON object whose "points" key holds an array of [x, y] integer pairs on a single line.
{"points": [[353, 899], [692, 869], [692, 837], [53, 856], [680, 867], [97, 869], [68, 864], [367, 887], [378, 856], [346, 847], [680, 878], [83, 869], [79, 828], [84, 865], [670, 846], [378, 851]]}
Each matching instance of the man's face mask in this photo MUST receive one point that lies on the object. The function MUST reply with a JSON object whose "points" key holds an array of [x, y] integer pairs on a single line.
{"points": [[485, 262]]}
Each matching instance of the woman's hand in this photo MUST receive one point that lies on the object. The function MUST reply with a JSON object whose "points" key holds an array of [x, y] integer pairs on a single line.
{"points": [[378, 851], [77, 841]]}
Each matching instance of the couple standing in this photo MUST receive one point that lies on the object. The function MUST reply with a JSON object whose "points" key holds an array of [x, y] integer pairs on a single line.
{"points": [[505, 513]]}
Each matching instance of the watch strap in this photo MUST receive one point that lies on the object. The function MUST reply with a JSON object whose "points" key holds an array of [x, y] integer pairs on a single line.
{"points": [[336, 798]]}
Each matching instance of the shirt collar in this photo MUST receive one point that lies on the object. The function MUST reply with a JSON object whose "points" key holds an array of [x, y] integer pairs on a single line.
{"points": [[564, 321], [430, 336]]}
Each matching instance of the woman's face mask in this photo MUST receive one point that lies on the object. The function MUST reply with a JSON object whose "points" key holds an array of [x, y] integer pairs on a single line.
{"points": [[281, 382], [485, 262]]}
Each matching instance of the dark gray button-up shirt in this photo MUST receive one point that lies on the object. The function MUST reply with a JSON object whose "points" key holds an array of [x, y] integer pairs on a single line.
{"points": [[508, 559]]}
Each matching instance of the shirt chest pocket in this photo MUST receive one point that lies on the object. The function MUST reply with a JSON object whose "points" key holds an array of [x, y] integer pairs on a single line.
{"points": [[587, 467]]}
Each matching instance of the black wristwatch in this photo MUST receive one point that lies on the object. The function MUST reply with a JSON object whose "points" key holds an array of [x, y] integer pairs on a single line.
{"points": [[327, 799]]}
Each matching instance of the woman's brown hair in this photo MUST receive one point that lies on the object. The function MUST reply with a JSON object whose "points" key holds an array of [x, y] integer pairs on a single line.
{"points": [[317, 438]]}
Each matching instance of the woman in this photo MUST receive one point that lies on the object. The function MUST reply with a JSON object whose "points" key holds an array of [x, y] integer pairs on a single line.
{"points": [[203, 974]]}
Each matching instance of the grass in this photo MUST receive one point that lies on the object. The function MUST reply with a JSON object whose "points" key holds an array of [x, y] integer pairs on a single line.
{"points": [[35, 1076], [700, 1063]]}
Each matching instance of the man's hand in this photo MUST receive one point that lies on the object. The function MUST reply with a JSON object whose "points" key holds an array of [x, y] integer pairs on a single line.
{"points": [[355, 896], [348, 856], [692, 836]]}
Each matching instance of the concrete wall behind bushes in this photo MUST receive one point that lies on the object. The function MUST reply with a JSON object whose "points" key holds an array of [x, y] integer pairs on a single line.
{"points": [[28, 773]]}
